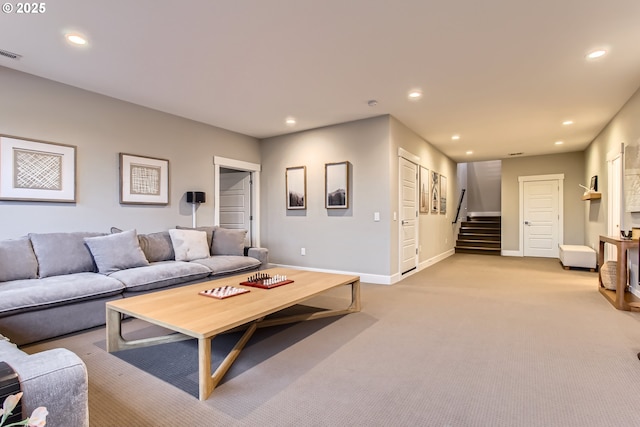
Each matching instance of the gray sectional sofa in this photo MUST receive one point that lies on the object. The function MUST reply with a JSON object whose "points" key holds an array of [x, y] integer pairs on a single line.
{"points": [[53, 284], [56, 379]]}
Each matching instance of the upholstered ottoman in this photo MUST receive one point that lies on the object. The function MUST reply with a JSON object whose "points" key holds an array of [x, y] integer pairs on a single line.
{"points": [[577, 256]]}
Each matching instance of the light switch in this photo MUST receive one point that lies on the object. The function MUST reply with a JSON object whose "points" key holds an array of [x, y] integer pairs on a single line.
{"points": [[376, 216]]}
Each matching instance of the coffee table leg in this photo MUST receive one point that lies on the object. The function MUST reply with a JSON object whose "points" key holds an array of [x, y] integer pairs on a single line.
{"points": [[355, 297], [114, 330], [204, 368]]}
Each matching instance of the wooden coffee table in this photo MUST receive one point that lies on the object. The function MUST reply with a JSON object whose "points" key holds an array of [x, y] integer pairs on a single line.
{"points": [[195, 316]]}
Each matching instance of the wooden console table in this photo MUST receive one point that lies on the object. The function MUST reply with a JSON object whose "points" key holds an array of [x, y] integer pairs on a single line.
{"points": [[620, 298]]}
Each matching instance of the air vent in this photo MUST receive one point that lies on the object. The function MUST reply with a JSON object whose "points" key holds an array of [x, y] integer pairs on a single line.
{"points": [[516, 154], [10, 54]]}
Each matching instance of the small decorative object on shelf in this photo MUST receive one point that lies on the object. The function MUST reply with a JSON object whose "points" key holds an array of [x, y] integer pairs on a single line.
{"points": [[223, 292], [265, 281], [626, 235]]}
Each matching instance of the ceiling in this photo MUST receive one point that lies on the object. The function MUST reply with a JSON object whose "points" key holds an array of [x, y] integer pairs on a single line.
{"points": [[502, 74]]}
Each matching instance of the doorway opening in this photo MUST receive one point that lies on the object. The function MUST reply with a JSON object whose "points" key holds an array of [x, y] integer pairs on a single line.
{"points": [[237, 197]]}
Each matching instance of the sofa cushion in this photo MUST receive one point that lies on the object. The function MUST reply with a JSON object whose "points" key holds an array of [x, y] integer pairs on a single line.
{"points": [[209, 229], [31, 294], [115, 252], [62, 253], [157, 246], [228, 241], [160, 274], [223, 264], [189, 244], [17, 260]]}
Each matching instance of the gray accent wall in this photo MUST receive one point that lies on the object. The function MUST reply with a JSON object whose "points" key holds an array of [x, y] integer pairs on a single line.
{"points": [[350, 240], [483, 186], [569, 164], [336, 239], [101, 127]]}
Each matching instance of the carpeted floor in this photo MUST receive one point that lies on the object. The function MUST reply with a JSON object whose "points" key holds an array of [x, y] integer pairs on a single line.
{"points": [[471, 341]]}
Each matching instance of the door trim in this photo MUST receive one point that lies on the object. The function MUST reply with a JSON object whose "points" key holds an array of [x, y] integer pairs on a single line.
{"points": [[254, 169], [521, 181], [412, 158]]}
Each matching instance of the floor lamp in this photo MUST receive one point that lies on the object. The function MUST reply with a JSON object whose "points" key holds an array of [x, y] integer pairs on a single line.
{"points": [[195, 198]]}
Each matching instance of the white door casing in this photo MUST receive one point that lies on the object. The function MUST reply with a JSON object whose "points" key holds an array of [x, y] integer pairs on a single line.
{"points": [[408, 216], [614, 195], [541, 215], [254, 169], [235, 202]]}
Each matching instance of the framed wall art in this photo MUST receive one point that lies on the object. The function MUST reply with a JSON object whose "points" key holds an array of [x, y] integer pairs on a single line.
{"points": [[336, 184], [144, 180], [435, 192], [296, 186], [37, 171], [424, 190], [443, 194]]}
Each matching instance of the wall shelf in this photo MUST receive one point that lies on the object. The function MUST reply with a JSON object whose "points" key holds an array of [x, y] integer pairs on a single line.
{"points": [[592, 196]]}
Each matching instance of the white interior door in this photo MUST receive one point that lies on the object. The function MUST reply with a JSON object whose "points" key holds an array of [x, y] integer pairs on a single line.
{"points": [[408, 215], [235, 201], [614, 173], [541, 218]]}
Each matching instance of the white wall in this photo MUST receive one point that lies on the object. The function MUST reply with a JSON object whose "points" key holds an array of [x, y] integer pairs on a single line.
{"points": [[624, 128], [436, 231], [101, 127], [569, 164]]}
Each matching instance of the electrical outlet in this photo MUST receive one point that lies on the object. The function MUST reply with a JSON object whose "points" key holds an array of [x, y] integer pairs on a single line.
{"points": [[303, 251]]}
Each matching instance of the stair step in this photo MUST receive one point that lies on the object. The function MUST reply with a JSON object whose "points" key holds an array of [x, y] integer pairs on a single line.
{"points": [[484, 218], [481, 224], [475, 230], [476, 250], [496, 237], [478, 243]]}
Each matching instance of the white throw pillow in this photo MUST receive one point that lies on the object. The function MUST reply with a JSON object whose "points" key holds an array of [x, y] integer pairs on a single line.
{"points": [[189, 245]]}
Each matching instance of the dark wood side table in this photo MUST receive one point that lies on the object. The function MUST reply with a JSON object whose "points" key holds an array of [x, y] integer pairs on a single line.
{"points": [[620, 298]]}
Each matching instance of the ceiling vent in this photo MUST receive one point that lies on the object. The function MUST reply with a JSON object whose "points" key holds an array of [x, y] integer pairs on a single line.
{"points": [[516, 154], [10, 54]]}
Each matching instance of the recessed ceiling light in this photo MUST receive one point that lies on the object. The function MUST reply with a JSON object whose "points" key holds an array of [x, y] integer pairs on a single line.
{"points": [[415, 94], [469, 152], [559, 142], [76, 39], [598, 53], [567, 122], [290, 121], [372, 103], [455, 137]]}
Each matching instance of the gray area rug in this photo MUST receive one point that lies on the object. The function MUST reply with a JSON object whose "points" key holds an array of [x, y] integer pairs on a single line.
{"points": [[177, 363]]}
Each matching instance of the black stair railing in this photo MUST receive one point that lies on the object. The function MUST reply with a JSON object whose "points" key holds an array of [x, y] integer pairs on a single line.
{"points": [[464, 190]]}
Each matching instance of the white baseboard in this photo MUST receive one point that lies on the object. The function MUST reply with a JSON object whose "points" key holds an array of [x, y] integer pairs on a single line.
{"points": [[511, 253], [376, 279]]}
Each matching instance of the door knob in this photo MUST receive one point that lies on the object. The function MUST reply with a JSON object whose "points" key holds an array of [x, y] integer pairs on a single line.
{"points": [[527, 223]]}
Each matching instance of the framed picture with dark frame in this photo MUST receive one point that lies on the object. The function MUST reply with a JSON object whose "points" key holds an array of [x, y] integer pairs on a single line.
{"points": [[296, 186], [424, 190], [37, 171], [336, 185], [144, 180]]}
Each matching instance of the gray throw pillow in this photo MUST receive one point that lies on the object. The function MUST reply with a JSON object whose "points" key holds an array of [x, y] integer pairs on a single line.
{"points": [[157, 246], [116, 251], [62, 253], [17, 260], [228, 241]]}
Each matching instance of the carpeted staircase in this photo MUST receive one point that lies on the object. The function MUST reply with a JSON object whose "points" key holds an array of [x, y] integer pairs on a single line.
{"points": [[479, 235]]}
